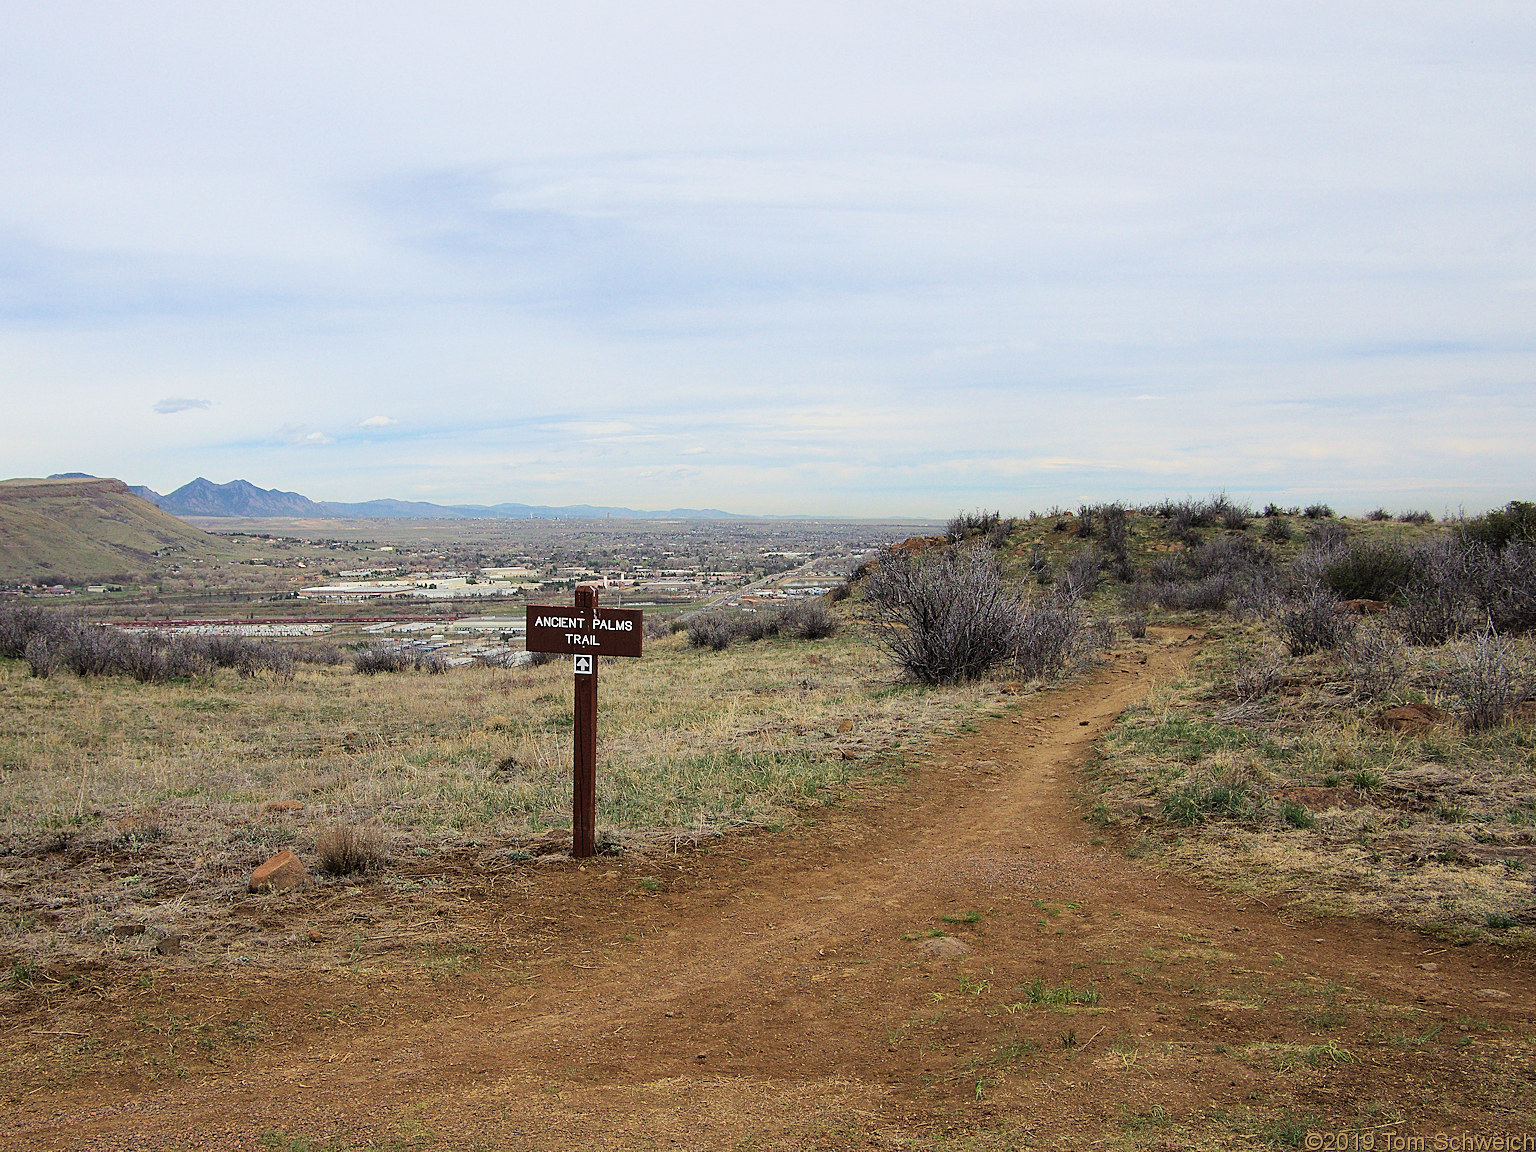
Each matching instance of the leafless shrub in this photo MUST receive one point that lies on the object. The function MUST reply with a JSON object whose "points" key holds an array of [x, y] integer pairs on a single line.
{"points": [[807, 620], [716, 630], [347, 851], [1489, 676], [657, 626], [1136, 625], [990, 526], [1234, 556], [41, 653], [375, 659], [802, 620], [1101, 634], [1081, 574], [1207, 595], [1254, 676], [1310, 623], [152, 657], [1416, 517], [1182, 525], [1326, 535], [1184, 518], [1506, 584], [945, 617], [1277, 529], [325, 655], [1369, 570], [19, 624], [1374, 657], [1259, 597], [1378, 514], [1085, 515], [1117, 527], [1136, 597], [1439, 600], [1317, 512], [1235, 517], [1051, 635], [61, 642], [1040, 566]]}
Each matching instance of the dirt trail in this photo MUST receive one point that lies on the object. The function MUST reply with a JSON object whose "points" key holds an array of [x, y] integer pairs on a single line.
{"points": [[773, 992]]}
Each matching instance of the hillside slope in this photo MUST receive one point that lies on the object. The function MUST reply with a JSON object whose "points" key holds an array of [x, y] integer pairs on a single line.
{"points": [[71, 531]]}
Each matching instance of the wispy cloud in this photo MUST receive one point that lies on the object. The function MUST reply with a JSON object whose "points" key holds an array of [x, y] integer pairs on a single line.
{"points": [[180, 404], [1048, 257], [300, 435]]}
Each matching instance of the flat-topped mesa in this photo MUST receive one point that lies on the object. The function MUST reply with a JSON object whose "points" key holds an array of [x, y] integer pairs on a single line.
{"points": [[24, 487]]}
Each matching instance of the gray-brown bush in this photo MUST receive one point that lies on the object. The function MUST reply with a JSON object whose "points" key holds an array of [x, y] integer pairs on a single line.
{"points": [[53, 642], [1374, 656], [1310, 622], [1052, 635], [1489, 676], [719, 628], [945, 617], [1080, 576], [993, 527], [396, 658]]}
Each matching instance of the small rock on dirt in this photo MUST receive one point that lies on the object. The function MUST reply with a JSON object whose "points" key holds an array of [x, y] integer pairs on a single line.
{"points": [[280, 873], [945, 948], [846, 754], [1410, 718], [845, 726], [170, 945], [1492, 994], [124, 931]]}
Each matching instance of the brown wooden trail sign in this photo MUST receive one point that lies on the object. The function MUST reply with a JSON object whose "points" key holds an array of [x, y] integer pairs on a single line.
{"points": [[585, 632]]}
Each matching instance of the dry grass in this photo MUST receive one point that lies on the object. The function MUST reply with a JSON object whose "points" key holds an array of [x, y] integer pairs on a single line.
{"points": [[123, 802], [686, 739], [1292, 791]]}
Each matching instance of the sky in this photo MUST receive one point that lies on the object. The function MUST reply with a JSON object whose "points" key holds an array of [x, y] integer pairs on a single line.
{"points": [[854, 259]]}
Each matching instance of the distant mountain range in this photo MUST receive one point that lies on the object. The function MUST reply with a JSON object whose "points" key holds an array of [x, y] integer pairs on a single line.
{"points": [[242, 498]]}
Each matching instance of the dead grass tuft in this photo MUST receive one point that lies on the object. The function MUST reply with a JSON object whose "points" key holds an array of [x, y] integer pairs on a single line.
{"points": [[345, 850]]}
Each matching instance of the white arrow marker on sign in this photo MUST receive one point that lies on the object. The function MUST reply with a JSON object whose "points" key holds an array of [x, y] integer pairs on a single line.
{"points": [[583, 665]]}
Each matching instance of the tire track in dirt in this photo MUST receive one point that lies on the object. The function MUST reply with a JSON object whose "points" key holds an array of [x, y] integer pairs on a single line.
{"points": [[774, 994]]}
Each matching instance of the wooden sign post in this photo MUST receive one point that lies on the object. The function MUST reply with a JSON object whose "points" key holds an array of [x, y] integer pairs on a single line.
{"points": [[585, 633]]}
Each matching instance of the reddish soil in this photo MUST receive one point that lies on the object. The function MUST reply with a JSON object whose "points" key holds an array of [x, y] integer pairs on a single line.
{"points": [[771, 992]]}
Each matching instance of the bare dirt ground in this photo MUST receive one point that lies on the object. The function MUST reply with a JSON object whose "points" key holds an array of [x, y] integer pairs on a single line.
{"points": [[773, 992]]}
